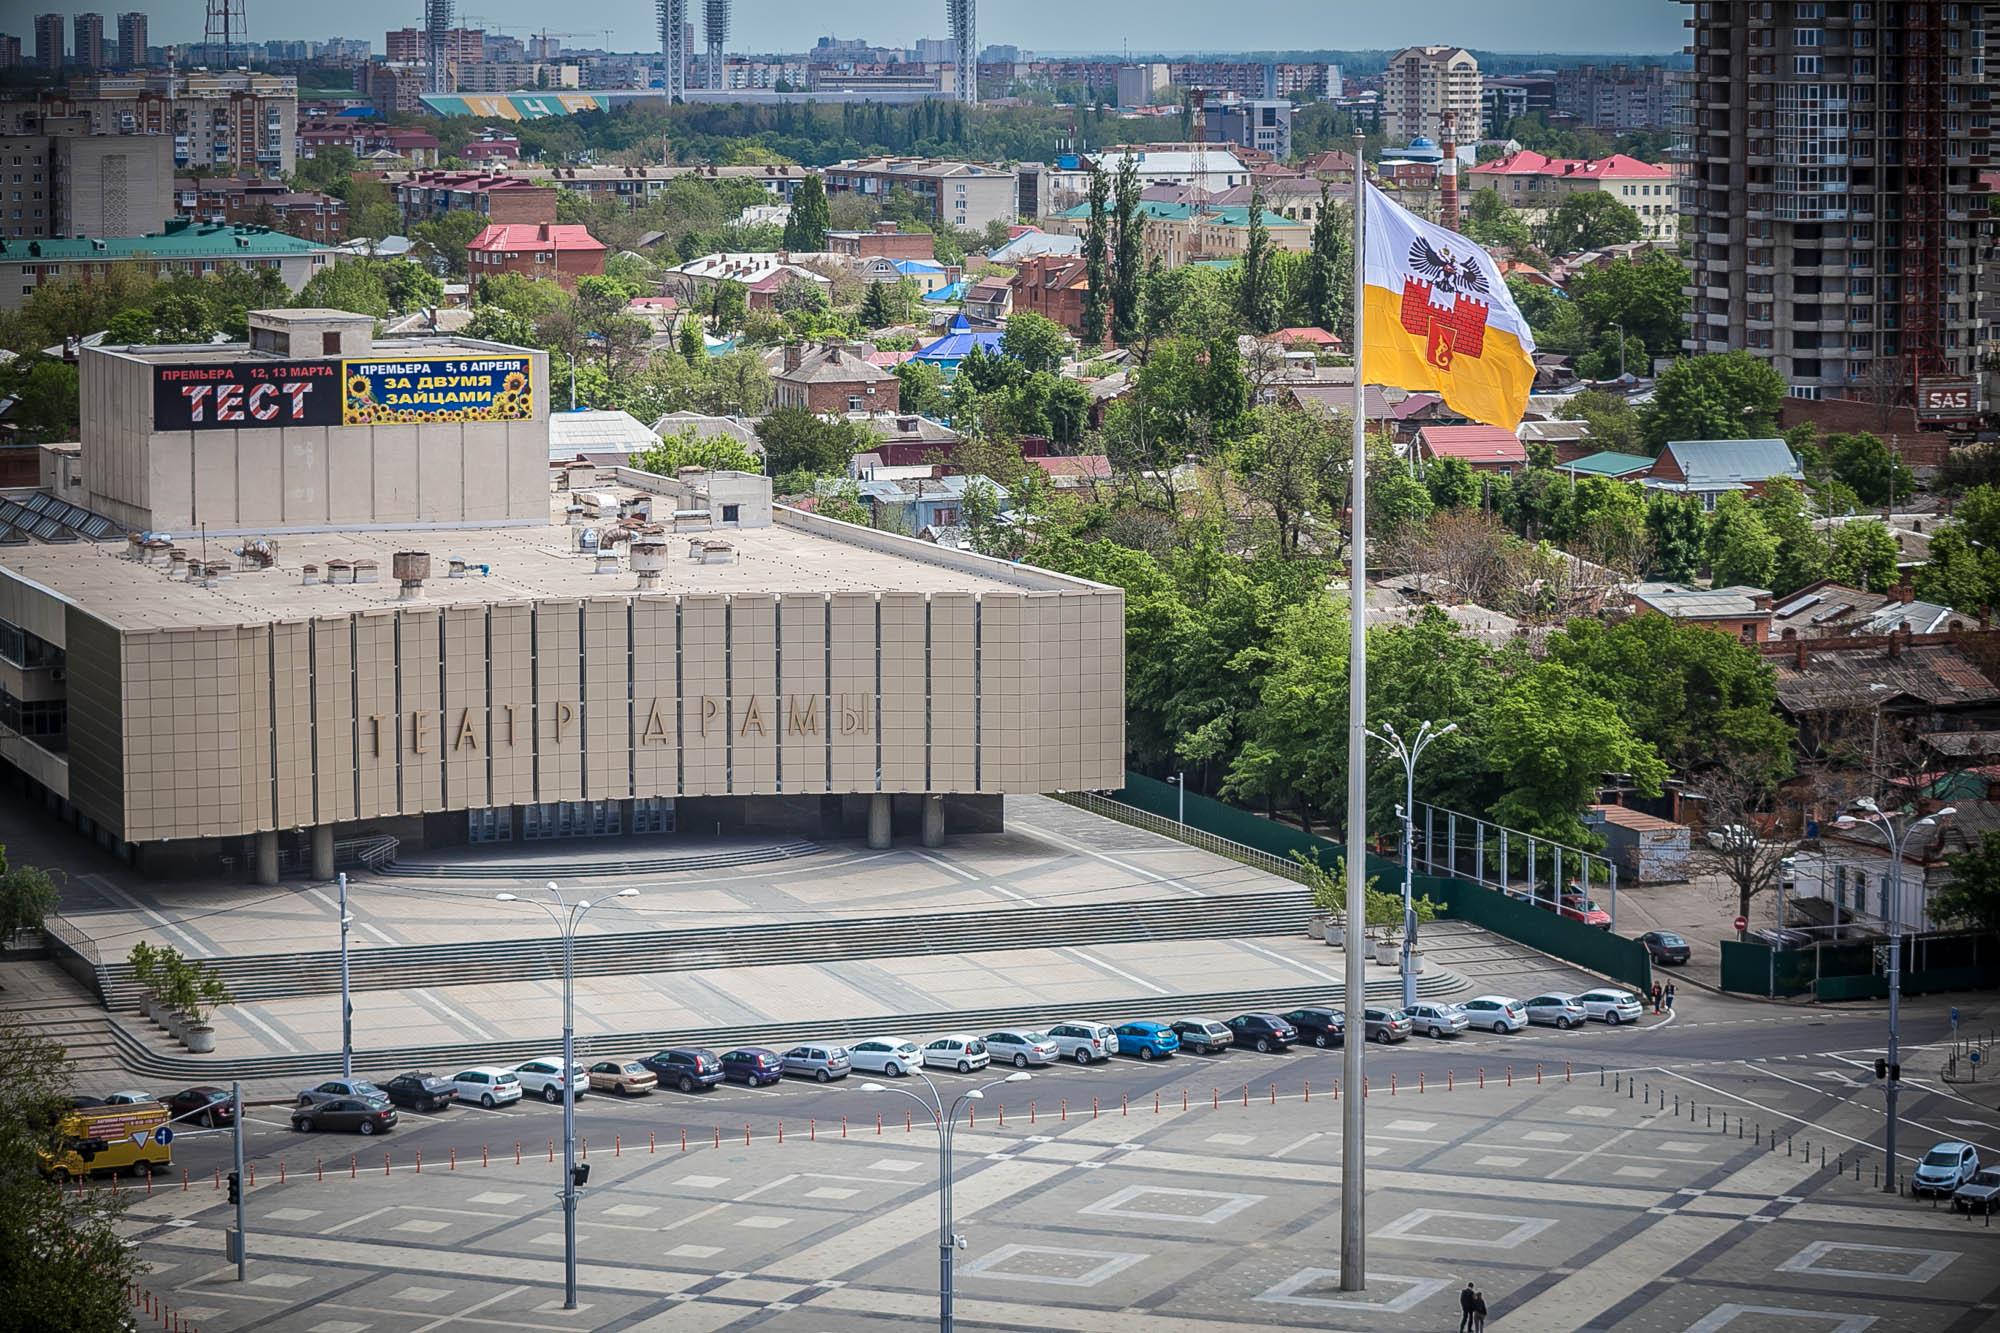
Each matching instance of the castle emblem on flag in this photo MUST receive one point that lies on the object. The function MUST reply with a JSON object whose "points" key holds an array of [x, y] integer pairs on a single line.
{"points": [[1448, 330]]}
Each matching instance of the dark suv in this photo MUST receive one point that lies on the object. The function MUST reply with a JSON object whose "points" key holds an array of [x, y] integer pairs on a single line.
{"points": [[421, 1091], [687, 1068], [1321, 1027], [1263, 1032], [1665, 946]]}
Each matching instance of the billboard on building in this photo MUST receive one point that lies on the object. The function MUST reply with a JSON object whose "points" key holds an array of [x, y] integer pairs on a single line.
{"points": [[529, 105], [1941, 401], [238, 395], [425, 389]]}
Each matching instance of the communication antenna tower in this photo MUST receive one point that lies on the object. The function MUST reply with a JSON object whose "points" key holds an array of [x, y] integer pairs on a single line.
{"points": [[673, 45], [715, 31]]}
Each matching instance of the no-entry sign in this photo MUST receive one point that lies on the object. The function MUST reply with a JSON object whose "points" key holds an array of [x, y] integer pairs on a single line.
{"points": [[1742, 923]]}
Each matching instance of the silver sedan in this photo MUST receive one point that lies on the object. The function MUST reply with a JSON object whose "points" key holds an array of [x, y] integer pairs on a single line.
{"points": [[1557, 1007], [1438, 1020], [1023, 1047]]}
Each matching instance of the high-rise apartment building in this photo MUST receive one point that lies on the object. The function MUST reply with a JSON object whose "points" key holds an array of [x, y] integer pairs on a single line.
{"points": [[10, 52], [131, 40], [49, 41], [90, 41], [227, 121], [1832, 155], [463, 46], [1424, 82]]}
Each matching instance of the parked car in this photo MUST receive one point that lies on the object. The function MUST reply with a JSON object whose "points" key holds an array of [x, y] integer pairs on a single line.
{"points": [[1085, 1042], [752, 1065], [959, 1050], [818, 1061], [488, 1085], [627, 1078], [357, 1115], [544, 1077], [1665, 946], [128, 1097], [1557, 1007], [1023, 1048], [1979, 1194], [1495, 1013], [1730, 838], [689, 1068], [1580, 907], [894, 1056], [1782, 937], [1945, 1168], [207, 1107], [420, 1091], [1203, 1034], [1611, 1005], [1386, 1025], [333, 1088], [1321, 1027], [1147, 1040], [1262, 1032], [1438, 1020]]}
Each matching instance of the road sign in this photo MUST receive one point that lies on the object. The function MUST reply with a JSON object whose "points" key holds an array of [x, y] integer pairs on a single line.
{"points": [[163, 1136], [1954, 1015], [1975, 1057], [139, 1136], [1742, 923]]}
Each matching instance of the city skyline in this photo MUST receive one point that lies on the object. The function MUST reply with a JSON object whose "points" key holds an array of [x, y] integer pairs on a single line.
{"points": [[1169, 26]]}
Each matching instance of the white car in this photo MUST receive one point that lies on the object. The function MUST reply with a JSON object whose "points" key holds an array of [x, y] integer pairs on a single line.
{"points": [[1556, 1007], [1438, 1020], [1611, 1005], [1085, 1042], [1944, 1168], [1023, 1047], [488, 1085], [128, 1097], [959, 1051], [544, 1078], [1731, 838], [1495, 1013], [894, 1056]]}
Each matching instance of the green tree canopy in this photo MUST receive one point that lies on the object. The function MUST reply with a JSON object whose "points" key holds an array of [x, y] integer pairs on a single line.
{"points": [[809, 220], [1865, 554], [1801, 554], [1741, 549], [688, 447], [1972, 899], [796, 440], [1589, 221], [922, 388], [1553, 741], [1729, 396], [1864, 463], [1036, 342]]}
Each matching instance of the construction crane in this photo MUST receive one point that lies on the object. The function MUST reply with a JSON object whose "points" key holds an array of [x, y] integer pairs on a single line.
{"points": [[672, 15], [715, 32]]}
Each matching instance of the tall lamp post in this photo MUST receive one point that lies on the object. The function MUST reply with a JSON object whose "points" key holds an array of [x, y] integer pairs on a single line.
{"points": [[1895, 839], [1409, 752], [568, 916], [1179, 780], [948, 1240], [346, 1001]]}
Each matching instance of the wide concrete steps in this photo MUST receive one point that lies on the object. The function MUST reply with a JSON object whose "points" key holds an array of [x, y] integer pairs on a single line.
{"points": [[533, 868], [145, 1060], [277, 976]]}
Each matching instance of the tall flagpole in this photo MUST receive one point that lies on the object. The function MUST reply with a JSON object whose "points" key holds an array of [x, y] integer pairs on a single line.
{"points": [[1353, 1136]]}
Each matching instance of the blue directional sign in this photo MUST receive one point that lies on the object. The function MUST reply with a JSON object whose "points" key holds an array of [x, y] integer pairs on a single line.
{"points": [[1975, 1057], [163, 1136], [1954, 1015]]}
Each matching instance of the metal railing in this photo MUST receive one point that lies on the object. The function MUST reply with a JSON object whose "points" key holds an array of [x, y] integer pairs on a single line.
{"points": [[1187, 833], [1462, 846], [371, 853]]}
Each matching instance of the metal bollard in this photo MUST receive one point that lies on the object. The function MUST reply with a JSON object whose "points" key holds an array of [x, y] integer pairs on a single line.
{"points": [[420, 1161], [351, 1161], [1392, 1085], [320, 1166], [1156, 1102], [1538, 1073], [1420, 1080], [812, 1130], [1510, 1076], [1124, 1104], [1274, 1094], [1093, 1108], [482, 1156], [843, 1127], [617, 1145], [1062, 1107], [1448, 1077], [1482, 1078]]}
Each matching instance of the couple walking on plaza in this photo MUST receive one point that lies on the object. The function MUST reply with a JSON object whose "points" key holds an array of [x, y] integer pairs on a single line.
{"points": [[1663, 999], [1472, 1307]]}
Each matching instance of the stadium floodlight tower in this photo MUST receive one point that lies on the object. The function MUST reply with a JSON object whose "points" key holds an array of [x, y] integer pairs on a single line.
{"points": [[964, 35], [673, 45], [715, 31], [437, 44]]}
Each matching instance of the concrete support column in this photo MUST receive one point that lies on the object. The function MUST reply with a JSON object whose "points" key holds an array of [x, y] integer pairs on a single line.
{"points": [[878, 820], [267, 857], [933, 821], [322, 851]]}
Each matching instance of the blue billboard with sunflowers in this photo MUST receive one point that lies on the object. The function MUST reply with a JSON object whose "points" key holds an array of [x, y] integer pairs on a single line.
{"points": [[427, 389]]}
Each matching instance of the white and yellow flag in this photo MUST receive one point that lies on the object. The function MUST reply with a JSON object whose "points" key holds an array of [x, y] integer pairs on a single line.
{"points": [[1436, 314]]}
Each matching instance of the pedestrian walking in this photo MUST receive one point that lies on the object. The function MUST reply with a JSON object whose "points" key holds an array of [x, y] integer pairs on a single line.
{"points": [[1468, 1301], [1670, 997], [1658, 994], [1478, 1313]]}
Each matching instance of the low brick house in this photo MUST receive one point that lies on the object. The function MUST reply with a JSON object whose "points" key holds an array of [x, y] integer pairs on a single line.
{"points": [[833, 380], [1054, 287], [886, 241], [540, 252]]}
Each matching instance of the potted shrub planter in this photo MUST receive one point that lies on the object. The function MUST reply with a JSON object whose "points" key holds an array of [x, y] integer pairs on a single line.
{"points": [[1336, 933], [1388, 951], [1316, 924], [1416, 961], [200, 1038]]}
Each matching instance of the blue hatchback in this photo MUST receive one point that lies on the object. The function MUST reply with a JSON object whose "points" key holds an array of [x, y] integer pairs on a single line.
{"points": [[752, 1065], [1147, 1040]]}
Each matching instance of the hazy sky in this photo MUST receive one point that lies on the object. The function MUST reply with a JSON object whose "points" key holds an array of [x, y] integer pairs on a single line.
{"points": [[1651, 26]]}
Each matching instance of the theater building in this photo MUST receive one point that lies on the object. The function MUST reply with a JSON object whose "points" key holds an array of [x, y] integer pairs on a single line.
{"points": [[306, 591]]}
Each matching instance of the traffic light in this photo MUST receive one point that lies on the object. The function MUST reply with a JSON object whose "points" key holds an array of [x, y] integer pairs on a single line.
{"points": [[235, 1188], [579, 1175], [1881, 1069], [1895, 1073]]}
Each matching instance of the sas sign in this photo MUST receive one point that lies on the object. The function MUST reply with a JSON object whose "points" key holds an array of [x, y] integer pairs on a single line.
{"points": [[1946, 401]]}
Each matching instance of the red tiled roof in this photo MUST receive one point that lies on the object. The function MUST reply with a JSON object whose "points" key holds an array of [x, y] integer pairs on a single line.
{"points": [[1304, 334], [517, 236], [1079, 465], [891, 359], [1475, 444], [1528, 162]]}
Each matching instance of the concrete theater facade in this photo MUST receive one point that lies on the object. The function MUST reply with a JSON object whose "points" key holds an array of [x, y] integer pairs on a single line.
{"points": [[603, 652]]}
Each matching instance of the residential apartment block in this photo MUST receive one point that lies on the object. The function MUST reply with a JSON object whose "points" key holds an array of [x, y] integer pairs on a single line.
{"points": [[1537, 185], [1421, 84], [181, 247], [1832, 152], [131, 40], [1615, 97], [967, 195], [537, 251], [233, 119], [64, 183], [310, 216], [89, 30], [48, 41]]}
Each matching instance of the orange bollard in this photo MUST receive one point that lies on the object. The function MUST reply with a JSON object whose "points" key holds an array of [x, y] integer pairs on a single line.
{"points": [[1246, 1094], [1364, 1088], [1031, 1113], [420, 1161], [1156, 1103], [843, 1127], [1336, 1089], [1420, 1081], [1510, 1076], [617, 1145], [184, 1182], [812, 1130], [652, 1147], [218, 1177], [1093, 1108], [452, 1165], [1309, 1090], [1538, 1073], [583, 1146], [1064, 1108], [906, 1122], [352, 1163], [517, 1152], [1274, 1094], [878, 1124], [718, 1138], [1124, 1106], [746, 1136], [971, 1117], [1482, 1078], [482, 1156], [1565, 1071], [281, 1175], [320, 1167], [252, 1178], [1002, 1108], [1448, 1080], [552, 1150], [781, 1131], [1392, 1085]]}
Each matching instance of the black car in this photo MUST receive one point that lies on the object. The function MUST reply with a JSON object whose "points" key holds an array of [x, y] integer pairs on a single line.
{"points": [[686, 1068], [1262, 1032], [421, 1091], [1665, 946], [359, 1115], [1321, 1027], [207, 1107], [753, 1065]]}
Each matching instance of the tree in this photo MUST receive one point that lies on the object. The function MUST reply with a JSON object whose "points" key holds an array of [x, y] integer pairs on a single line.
{"points": [[796, 440], [727, 304], [355, 286], [875, 310], [1037, 343], [409, 286], [1128, 254], [1096, 267], [498, 324], [1972, 900], [1491, 221], [1256, 302], [1748, 847], [1613, 424], [1730, 396], [1801, 555], [692, 348], [1865, 463], [1679, 531], [841, 500], [1962, 572], [1451, 483], [1641, 295], [1328, 286], [922, 388], [689, 448], [1589, 221], [27, 896], [47, 410], [1741, 549], [1288, 463], [809, 220], [1864, 555], [1551, 743], [447, 236]]}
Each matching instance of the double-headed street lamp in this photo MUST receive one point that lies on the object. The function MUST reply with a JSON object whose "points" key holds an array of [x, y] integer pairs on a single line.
{"points": [[1409, 752], [1895, 839], [568, 916], [948, 1240]]}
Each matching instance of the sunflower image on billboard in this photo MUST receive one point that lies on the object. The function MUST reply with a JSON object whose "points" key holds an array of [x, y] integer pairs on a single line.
{"points": [[425, 390]]}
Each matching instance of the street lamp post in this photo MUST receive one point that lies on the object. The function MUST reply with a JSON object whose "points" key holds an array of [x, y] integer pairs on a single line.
{"points": [[568, 916], [346, 1002], [1895, 840], [1409, 752], [948, 1240], [1179, 780]]}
